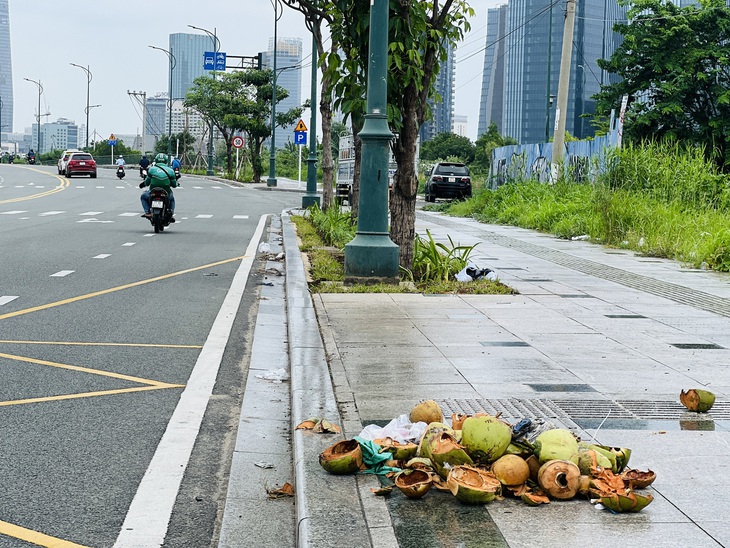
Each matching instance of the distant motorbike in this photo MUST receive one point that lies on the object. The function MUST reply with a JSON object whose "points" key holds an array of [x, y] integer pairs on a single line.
{"points": [[177, 172], [143, 172], [31, 160], [120, 172]]}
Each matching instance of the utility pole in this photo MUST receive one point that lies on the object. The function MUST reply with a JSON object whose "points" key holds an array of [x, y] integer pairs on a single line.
{"points": [[563, 85], [143, 101]]}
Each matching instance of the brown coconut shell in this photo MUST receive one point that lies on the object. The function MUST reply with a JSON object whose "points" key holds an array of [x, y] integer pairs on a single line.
{"points": [[344, 457], [413, 483], [511, 470], [560, 479], [638, 479], [427, 411]]}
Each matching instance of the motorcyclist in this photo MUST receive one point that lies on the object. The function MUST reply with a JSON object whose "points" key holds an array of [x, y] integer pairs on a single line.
{"points": [[175, 164], [159, 175], [31, 156], [120, 161], [144, 163]]}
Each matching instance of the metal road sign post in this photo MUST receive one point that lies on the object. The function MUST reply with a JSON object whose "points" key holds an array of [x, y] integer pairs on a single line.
{"points": [[237, 143]]}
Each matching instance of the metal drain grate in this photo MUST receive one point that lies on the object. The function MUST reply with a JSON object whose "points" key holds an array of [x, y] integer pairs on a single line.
{"points": [[568, 411], [625, 316], [697, 346], [503, 343]]}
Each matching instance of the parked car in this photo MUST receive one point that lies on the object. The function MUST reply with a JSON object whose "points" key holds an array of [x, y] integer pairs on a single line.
{"points": [[81, 163], [63, 160], [448, 180]]}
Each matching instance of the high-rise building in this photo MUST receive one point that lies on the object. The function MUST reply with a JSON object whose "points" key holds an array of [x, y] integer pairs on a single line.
{"points": [[155, 124], [534, 35], [188, 50], [6, 70], [289, 77], [492, 100], [442, 111], [59, 135]]}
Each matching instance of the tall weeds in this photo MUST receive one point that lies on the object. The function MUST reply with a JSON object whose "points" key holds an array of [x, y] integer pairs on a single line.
{"points": [[658, 199]]}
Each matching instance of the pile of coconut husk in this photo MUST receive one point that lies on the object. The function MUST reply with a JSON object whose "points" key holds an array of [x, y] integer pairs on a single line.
{"points": [[480, 458]]}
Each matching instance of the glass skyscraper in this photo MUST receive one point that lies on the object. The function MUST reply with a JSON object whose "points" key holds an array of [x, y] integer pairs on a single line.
{"points": [[289, 77], [533, 38], [188, 50], [442, 111], [492, 100], [6, 69]]}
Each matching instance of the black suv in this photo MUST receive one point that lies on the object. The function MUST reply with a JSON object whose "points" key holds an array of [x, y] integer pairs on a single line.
{"points": [[448, 180]]}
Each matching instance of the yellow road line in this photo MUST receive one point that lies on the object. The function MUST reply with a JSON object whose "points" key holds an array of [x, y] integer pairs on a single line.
{"points": [[88, 370], [114, 289], [63, 186], [35, 537], [89, 395], [71, 343]]}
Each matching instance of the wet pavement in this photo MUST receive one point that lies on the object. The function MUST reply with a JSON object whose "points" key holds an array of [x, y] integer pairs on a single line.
{"points": [[594, 337]]}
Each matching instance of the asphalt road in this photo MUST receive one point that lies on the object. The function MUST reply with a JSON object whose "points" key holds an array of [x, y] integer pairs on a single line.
{"points": [[102, 324]]}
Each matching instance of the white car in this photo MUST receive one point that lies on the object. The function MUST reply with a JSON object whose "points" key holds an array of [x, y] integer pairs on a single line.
{"points": [[63, 160]]}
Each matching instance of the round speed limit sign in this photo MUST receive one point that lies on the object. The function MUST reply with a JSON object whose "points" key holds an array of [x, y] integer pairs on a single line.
{"points": [[237, 141]]}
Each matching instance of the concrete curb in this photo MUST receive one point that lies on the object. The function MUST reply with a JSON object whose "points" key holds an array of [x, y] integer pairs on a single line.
{"points": [[329, 512]]}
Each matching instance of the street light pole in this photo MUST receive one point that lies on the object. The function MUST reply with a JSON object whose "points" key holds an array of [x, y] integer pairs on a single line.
{"points": [[1, 126], [88, 88], [38, 116], [216, 45], [271, 181], [173, 64], [372, 254]]}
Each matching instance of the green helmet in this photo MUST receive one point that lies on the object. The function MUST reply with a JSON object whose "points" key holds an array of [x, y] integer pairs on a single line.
{"points": [[161, 158]]}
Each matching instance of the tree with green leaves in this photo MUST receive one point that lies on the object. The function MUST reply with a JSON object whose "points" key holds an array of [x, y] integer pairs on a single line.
{"points": [[183, 144], [675, 67], [419, 36], [241, 101], [448, 145], [487, 142]]}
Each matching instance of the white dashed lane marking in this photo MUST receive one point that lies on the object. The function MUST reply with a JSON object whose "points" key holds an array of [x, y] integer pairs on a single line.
{"points": [[240, 216], [62, 273], [50, 213], [148, 235], [128, 244], [12, 212], [5, 299], [203, 216], [102, 256], [90, 213], [198, 187], [128, 214]]}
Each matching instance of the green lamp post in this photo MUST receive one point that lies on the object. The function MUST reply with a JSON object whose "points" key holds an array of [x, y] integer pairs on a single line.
{"points": [[371, 254]]}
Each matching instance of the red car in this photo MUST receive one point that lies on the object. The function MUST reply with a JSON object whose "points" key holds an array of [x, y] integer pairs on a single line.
{"points": [[81, 163]]}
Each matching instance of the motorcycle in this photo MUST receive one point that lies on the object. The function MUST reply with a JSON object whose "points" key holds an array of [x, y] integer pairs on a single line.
{"points": [[177, 173], [120, 172], [160, 209], [31, 160], [143, 172]]}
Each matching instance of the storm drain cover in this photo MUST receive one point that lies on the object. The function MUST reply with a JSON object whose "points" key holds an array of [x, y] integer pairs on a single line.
{"points": [[562, 387], [503, 343], [697, 346], [568, 411], [536, 280], [625, 316]]}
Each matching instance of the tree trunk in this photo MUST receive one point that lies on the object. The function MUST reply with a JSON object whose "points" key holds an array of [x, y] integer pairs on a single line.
{"points": [[405, 187], [229, 152], [255, 151], [328, 166]]}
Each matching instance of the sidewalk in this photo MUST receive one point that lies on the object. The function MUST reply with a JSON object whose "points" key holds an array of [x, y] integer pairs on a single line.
{"points": [[595, 336]]}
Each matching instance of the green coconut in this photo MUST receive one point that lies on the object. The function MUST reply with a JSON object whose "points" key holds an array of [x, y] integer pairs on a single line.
{"points": [[413, 483], [630, 502], [444, 451], [473, 485], [344, 457], [486, 438], [584, 459], [555, 444], [398, 450]]}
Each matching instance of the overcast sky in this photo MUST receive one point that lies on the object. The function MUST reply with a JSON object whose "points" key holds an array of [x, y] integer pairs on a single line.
{"points": [[113, 40]]}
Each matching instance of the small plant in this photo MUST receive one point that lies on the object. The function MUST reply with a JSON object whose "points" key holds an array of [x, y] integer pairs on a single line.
{"points": [[436, 262], [336, 227]]}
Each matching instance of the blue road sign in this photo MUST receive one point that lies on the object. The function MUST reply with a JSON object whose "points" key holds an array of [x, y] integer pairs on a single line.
{"points": [[214, 60], [300, 137], [112, 142]]}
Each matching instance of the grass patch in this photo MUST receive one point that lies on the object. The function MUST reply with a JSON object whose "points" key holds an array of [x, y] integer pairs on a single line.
{"points": [[659, 200], [434, 266]]}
